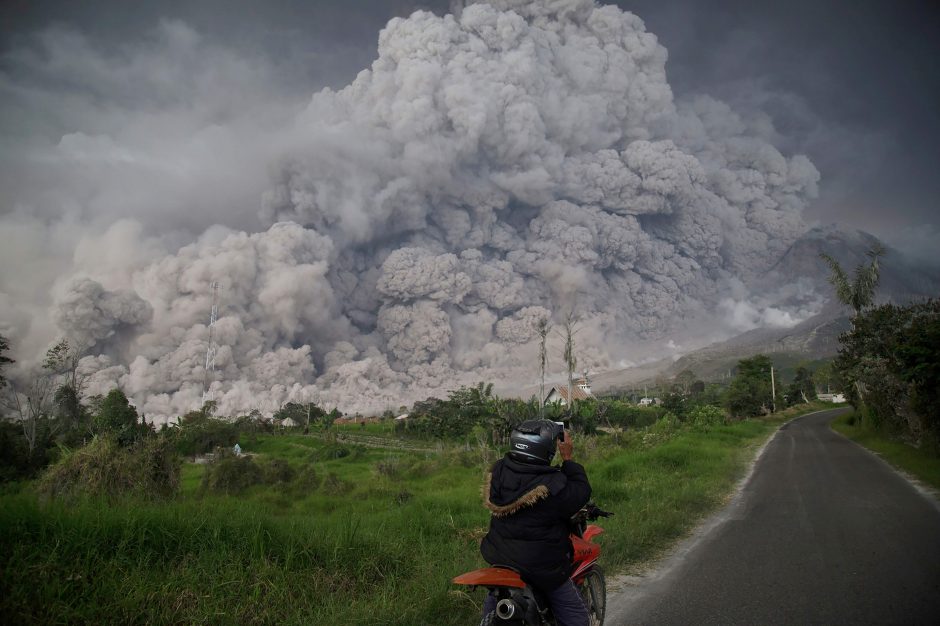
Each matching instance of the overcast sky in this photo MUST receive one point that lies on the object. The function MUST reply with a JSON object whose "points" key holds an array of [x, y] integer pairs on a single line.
{"points": [[853, 84], [480, 177]]}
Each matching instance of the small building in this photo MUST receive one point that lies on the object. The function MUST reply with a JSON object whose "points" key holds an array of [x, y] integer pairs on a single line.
{"points": [[648, 401], [581, 390], [285, 423]]}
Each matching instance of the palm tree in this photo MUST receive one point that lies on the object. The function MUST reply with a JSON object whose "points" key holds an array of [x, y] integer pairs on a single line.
{"points": [[570, 360], [860, 292]]}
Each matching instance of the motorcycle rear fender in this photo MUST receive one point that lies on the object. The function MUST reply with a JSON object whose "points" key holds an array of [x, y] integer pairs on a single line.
{"points": [[490, 577], [592, 531]]}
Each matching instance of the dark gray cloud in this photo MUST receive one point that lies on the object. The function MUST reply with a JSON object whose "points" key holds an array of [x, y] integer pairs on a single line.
{"points": [[850, 83]]}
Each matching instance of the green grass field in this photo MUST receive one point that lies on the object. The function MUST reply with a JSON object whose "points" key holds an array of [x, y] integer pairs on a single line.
{"points": [[920, 464], [377, 541]]}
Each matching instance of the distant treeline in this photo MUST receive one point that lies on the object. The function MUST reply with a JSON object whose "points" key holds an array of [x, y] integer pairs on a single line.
{"points": [[52, 420]]}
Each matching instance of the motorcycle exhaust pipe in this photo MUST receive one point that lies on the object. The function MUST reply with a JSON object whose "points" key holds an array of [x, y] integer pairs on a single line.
{"points": [[506, 608]]}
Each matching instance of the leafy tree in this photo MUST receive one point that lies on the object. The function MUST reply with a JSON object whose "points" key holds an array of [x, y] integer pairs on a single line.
{"points": [[802, 389], [117, 416], [919, 360], [205, 435], [510, 412], [73, 420], [68, 406], [712, 394], [428, 417], [4, 360], [22, 458], [826, 378], [625, 414], [890, 355], [683, 382], [206, 411], [674, 401], [750, 394], [584, 416], [303, 414], [464, 410]]}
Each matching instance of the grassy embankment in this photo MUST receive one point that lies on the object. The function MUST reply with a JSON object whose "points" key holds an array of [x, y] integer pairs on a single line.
{"points": [[918, 463], [376, 542]]}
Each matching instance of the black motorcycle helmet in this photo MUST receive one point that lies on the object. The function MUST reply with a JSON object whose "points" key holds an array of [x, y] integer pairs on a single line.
{"points": [[533, 441]]}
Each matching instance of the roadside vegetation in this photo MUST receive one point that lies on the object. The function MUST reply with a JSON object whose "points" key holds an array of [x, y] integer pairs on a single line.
{"points": [[323, 532], [889, 367], [312, 519], [924, 465]]}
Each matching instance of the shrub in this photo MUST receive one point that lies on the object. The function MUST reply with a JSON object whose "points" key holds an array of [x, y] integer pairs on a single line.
{"points": [[307, 479], [422, 469], [336, 486], [201, 435], [662, 430], [231, 474], [705, 416], [16, 461], [391, 467], [337, 451], [149, 468], [116, 416], [276, 471], [626, 415]]}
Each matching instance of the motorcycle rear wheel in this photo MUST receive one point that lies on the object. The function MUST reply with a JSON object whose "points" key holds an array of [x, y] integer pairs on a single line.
{"points": [[594, 592]]}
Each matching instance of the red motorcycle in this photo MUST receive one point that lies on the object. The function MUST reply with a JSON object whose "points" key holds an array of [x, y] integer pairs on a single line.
{"points": [[519, 604]]}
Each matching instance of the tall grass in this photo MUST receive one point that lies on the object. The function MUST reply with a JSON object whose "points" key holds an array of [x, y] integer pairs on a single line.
{"points": [[922, 464], [383, 553]]}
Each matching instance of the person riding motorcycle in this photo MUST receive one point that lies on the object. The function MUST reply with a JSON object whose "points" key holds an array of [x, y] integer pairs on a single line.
{"points": [[531, 503]]}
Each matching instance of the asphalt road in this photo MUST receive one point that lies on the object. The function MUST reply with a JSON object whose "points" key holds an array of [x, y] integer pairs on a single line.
{"points": [[822, 533]]}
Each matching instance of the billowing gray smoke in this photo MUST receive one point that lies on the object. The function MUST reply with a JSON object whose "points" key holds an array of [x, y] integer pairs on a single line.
{"points": [[520, 161]]}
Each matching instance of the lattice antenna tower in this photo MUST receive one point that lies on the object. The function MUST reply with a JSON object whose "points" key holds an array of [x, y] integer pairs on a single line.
{"points": [[211, 348]]}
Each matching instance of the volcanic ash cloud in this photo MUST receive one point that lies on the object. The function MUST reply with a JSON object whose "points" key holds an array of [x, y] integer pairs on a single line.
{"points": [[488, 170]]}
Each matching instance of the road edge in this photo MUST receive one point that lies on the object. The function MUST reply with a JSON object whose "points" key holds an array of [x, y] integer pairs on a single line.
{"points": [[926, 491]]}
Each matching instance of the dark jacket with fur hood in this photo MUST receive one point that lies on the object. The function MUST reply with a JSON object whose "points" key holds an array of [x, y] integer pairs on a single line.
{"points": [[531, 506]]}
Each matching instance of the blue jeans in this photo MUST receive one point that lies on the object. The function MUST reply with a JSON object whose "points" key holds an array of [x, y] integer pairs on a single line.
{"points": [[566, 603]]}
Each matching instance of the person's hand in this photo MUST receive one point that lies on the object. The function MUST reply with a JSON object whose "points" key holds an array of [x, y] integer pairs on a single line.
{"points": [[565, 446]]}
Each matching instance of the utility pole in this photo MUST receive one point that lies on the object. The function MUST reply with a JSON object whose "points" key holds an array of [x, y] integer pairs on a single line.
{"points": [[773, 392]]}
